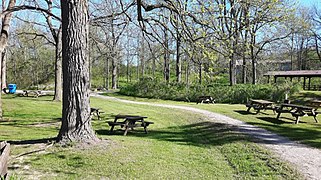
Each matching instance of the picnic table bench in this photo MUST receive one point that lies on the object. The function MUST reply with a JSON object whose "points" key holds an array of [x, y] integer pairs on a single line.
{"points": [[205, 99], [130, 122], [96, 112], [4, 157], [297, 111], [259, 104], [35, 94]]}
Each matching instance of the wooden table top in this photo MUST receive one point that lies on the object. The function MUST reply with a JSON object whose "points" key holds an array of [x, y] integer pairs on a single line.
{"points": [[297, 106], [260, 101]]}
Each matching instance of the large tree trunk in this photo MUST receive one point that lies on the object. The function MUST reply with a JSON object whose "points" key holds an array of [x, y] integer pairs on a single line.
{"points": [[76, 120], [58, 69], [4, 36]]}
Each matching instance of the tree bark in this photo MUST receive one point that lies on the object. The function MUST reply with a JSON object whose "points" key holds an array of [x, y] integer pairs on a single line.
{"points": [[4, 36], [58, 69], [178, 54], [114, 72], [76, 120], [107, 73], [166, 57], [4, 70], [200, 73]]}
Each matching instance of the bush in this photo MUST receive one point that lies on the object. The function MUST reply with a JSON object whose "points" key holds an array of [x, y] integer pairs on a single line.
{"points": [[151, 88]]}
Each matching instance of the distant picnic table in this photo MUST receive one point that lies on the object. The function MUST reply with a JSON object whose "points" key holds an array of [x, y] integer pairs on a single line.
{"points": [[259, 104], [96, 112], [130, 122], [34, 93], [205, 99], [297, 111]]}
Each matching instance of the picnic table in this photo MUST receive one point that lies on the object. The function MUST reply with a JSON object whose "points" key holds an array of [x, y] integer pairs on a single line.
{"points": [[35, 93], [96, 112], [259, 104], [315, 103], [205, 99], [130, 121], [297, 111]]}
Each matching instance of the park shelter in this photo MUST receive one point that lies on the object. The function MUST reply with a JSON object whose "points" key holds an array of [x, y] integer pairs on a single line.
{"points": [[305, 74]]}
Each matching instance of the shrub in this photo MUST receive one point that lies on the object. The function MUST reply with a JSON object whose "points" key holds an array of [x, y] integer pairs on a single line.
{"points": [[152, 88]]}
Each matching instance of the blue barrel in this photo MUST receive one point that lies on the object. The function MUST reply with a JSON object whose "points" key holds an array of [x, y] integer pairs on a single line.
{"points": [[12, 88]]}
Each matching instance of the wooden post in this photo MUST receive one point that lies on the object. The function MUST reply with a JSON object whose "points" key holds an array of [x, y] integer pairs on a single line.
{"points": [[309, 86], [268, 79], [275, 79], [304, 82]]}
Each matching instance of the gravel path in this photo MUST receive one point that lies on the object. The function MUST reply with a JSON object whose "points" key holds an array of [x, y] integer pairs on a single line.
{"points": [[306, 159]]}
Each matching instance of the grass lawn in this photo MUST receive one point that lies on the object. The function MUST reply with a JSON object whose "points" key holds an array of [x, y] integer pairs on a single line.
{"points": [[307, 131], [180, 145]]}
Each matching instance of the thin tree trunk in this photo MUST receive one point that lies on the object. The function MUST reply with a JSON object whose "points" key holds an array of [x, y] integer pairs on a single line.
{"points": [[114, 73], [178, 54], [58, 69], [107, 73], [166, 57], [113, 58], [76, 120], [200, 73], [142, 56], [253, 59], [4, 70]]}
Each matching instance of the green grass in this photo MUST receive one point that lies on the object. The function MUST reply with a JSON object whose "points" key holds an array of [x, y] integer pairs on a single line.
{"points": [[180, 145], [307, 131]]}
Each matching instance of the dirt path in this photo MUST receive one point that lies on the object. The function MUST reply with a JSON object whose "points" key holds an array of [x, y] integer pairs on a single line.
{"points": [[306, 159]]}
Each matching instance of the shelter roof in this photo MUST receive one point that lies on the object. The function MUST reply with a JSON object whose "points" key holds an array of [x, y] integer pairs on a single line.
{"points": [[303, 73]]}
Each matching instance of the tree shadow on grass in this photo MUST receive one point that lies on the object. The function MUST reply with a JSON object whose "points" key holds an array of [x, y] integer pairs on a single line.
{"points": [[217, 134], [199, 134], [274, 120], [33, 141], [243, 112]]}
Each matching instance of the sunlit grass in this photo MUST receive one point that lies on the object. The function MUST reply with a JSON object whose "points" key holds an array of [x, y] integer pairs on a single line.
{"points": [[180, 145]]}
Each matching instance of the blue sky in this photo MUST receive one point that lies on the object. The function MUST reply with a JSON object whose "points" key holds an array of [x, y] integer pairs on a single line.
{"points": [[310, 2]]}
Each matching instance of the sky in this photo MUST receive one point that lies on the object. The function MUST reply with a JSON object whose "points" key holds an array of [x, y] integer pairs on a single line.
{"points": [[310, 2]]}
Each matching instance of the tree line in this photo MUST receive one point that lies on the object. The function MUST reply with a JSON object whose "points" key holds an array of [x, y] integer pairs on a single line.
{"points": [[182, 40]]}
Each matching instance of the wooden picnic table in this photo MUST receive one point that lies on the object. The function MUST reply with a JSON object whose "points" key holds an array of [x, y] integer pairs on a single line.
{"points": [[297, 111], [315, 103], [130, 121], [96, 112], [205, 99], [259, 104]]}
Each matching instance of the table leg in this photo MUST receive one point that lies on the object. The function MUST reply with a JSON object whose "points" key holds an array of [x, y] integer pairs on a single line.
{"points": [[145, 129], [315, 118], [278, 116], [112, 128], [248, 109], [297, 120], [126, 128]]}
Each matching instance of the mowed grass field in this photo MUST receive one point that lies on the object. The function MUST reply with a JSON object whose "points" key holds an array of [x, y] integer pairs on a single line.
{"points": [[180, 145], [306, 132]]}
